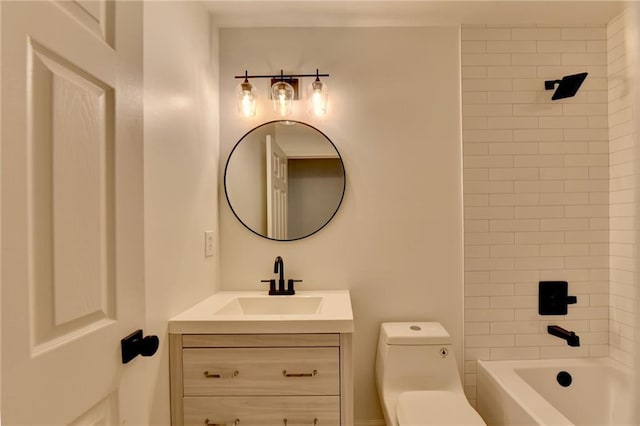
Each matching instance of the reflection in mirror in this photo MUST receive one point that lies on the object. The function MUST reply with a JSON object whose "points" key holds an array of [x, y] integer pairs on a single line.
{"points": [[284, 180]]}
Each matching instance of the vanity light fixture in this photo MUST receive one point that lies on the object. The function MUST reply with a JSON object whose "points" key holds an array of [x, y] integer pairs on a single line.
{"points": [[282, 95], [318, 94], [246, 97], [284, 90]]}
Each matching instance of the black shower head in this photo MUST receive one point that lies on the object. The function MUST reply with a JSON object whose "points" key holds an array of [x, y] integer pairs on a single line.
{"points": [[567, 87]]}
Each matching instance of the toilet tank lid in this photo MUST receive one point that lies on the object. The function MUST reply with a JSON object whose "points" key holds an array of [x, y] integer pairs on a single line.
{"points": [[414, 333]]}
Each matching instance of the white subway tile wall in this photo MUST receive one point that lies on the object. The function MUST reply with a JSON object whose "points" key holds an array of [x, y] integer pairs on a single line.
{"points": [[537, 184], [623, 189]]}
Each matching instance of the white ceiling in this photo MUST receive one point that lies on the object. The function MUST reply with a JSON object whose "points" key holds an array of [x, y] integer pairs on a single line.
{"points": [[310, 13]]}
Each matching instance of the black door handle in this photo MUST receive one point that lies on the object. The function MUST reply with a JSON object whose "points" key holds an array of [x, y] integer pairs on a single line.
{"points": [[134, 345]]}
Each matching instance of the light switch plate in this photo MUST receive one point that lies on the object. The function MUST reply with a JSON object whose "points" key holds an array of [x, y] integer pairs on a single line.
{"points": [[209, 243]]}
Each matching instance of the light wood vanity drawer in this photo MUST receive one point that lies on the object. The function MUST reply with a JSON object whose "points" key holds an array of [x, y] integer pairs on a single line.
{"points": [[263, 411], [261, 371], [258, 340]]}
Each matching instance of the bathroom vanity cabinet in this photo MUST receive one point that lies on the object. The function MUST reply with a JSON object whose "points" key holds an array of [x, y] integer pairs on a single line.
{"points": [[260, 379], [245, 358]]}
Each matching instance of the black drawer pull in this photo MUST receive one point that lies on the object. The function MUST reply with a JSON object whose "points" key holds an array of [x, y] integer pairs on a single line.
{"points": [[313, 373], [209, 375], [235, 422], [315, 422]]}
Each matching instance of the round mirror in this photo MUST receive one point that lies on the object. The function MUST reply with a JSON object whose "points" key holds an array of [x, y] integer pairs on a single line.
{"points": [[284, 180]]}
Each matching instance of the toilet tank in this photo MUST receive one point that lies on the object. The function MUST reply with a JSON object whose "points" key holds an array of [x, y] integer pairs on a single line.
{"points": [[415, 356]]}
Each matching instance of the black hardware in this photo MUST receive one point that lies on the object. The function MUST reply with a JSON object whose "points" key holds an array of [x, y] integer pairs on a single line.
{"points": [[278, 268], [229, 375], [134, 345], [572, 338], [224, 423], [281, 76], [228, 167], [290, 282], [567, 87], [286, 422], [553, 298], [564, 379], [287, 78], [272, 285], [287, 374]]}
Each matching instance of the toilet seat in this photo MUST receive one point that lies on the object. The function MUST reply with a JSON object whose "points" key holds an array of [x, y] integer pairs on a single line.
{"points": [[436, 408]]}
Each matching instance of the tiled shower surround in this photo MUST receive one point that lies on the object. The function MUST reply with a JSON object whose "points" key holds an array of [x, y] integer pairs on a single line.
{"points": [[541, 201], [623, 191]]}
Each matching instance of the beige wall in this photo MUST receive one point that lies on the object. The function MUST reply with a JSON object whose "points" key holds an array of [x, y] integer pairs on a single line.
{"points": [[536, 191], [315, 190], [180, 172], [245, 171], [623, 188], [396, 242]]}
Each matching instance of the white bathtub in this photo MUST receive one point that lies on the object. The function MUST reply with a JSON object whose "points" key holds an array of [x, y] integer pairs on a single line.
{"points": [[514, 393]]}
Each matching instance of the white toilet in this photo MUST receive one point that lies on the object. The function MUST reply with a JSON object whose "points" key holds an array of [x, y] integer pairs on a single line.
{"points": [[417, 377]]}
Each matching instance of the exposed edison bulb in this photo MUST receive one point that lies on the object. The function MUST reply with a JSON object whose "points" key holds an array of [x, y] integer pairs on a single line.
{"points": [[246, 99], [318, 96], [282, 94]]}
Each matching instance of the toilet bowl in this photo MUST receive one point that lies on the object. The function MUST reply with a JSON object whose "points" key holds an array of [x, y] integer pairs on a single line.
{"points": [[417, 377]]}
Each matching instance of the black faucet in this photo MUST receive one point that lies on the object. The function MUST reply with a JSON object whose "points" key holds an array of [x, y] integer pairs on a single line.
{"points": [[278, 268], [572, 338]]}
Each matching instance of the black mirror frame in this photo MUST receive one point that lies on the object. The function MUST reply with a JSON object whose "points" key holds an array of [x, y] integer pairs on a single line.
{"points": [[344, 180]]}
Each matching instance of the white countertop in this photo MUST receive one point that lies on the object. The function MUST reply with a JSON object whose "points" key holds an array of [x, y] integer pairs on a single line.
{"points": [[333, 316]]}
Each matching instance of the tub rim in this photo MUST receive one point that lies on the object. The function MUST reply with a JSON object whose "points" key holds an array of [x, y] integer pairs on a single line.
{"points": [[505, 374]]}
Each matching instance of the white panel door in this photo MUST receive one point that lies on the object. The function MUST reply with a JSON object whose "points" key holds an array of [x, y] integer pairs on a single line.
{"points": [[72, 212], [277, 190]]}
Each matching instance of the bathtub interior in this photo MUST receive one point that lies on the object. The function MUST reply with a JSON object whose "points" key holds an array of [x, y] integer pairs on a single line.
{"points": [[598, 394], [505, 399], [528, 393]]}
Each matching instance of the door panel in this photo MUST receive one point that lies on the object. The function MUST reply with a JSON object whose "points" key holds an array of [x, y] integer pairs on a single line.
{"points": [[103, 413], [96, 16], [72, 211], [277, 190], [71, 123]]}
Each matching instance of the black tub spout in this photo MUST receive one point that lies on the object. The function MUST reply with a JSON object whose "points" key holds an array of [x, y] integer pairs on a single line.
{"points": [[572, 338]]}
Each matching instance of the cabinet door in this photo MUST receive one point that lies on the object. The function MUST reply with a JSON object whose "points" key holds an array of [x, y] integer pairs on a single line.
{"points": [[262, 411], [261, 371]]}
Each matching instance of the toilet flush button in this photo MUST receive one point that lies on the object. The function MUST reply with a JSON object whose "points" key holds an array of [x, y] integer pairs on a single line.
{"points": [[415, 328]]}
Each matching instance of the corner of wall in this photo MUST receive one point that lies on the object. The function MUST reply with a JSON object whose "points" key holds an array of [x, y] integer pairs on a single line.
{"points": [[181, 152], [623, 187], [214, 60]]}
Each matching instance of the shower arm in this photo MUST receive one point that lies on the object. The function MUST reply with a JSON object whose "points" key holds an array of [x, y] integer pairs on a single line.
{"points": [[550, 84]]}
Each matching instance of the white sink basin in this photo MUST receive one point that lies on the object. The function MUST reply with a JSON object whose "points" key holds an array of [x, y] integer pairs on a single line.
{"points": [[256, 312], [276, 305]]}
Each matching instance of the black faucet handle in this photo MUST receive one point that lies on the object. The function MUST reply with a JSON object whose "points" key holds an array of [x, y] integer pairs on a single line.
{"points": [[553, 298], [290, 288], [272, 285]]}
